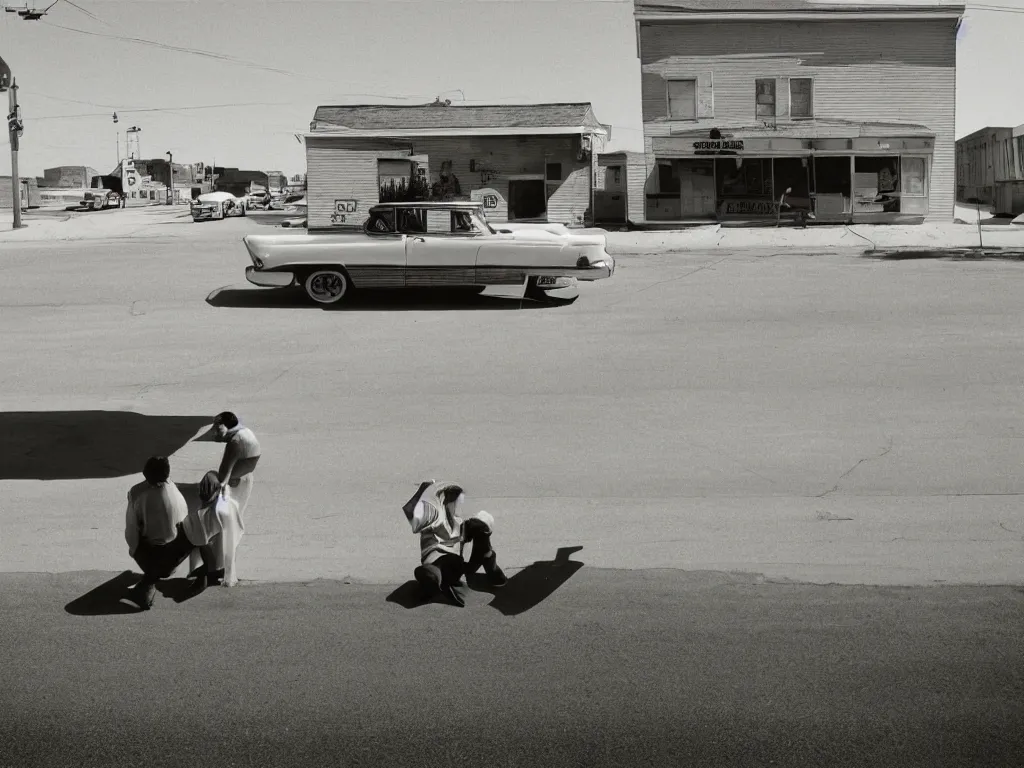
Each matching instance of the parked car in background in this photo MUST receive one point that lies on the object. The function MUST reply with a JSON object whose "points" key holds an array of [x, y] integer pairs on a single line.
{"points": [[428, 245], [100, 199], [217, 205], [298, 207]]}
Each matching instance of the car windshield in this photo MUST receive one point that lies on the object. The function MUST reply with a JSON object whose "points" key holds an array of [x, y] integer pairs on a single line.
{"points": [[481, 221]]}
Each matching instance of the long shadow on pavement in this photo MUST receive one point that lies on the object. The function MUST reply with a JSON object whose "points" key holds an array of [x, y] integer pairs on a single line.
{"points": [[76, 445], [396, 300], [525, 590], [105, 600]]}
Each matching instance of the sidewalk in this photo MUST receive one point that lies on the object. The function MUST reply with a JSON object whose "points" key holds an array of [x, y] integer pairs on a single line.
{"points": [[162, 221], [56, 225], [922, 237]]}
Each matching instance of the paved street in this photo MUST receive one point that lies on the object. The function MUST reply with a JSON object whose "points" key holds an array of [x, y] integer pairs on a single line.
{"points": [[702, 436], [616, 668], [828, 419]]}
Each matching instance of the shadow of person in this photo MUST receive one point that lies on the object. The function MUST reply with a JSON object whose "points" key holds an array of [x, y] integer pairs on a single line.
{"points": [[105, 600], [179, 589], [79, 445], [532, 585], [409, 595]]}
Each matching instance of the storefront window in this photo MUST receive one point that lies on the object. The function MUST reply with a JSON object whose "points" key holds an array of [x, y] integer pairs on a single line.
{"points": [[913, 175], [739, 177], [876, 184]]}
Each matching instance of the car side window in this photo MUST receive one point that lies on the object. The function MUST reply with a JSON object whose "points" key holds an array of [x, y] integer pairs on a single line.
{"points": [[381, 222], [411, 221], [462, 223]]}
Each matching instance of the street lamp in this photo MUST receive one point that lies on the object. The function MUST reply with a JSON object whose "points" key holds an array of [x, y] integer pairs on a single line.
{"points": [[170, 166]]}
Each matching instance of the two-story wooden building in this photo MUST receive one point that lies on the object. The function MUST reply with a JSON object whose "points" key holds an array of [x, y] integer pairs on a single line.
{"points": [[850, 106]]}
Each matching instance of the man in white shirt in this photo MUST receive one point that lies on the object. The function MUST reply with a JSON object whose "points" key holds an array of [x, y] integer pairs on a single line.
{"points": [[153, 529], [433, 514]]}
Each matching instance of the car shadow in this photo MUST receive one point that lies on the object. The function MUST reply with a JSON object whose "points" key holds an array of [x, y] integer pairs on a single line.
{"points": [[396, 300], [107, 598], [525, 590], [79, 445]]}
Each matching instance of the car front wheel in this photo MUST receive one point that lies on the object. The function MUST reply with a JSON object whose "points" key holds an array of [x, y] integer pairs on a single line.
{"points": [[326, 286]]}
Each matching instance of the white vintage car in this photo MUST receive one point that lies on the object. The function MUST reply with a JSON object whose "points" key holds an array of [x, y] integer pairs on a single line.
{"points": [[217, 205], [427, 245]]}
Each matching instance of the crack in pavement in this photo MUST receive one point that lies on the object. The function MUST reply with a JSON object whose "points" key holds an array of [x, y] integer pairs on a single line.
{"points": [[835, 487], [668, 280]]}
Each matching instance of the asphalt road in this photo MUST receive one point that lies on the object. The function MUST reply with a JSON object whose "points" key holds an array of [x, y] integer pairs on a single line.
{"points": [[822, 418], [777, 416], [614, 668]]}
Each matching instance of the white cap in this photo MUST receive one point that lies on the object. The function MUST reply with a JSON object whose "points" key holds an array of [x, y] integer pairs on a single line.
{"points": [[485, 517]]}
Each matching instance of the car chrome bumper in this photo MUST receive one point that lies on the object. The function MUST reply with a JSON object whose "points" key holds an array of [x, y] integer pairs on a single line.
{"points": [[598, 270], [269, 279]]}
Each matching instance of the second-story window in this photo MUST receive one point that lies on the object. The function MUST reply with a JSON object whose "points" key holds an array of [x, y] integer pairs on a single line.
{"points": [[765, 97], [682, 99], [801, 97]]}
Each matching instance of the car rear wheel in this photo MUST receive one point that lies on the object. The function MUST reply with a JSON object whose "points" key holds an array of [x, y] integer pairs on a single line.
{"points": [[326, 286]]}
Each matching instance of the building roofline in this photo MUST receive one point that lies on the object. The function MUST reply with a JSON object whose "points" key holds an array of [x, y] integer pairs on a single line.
{"points": [[459, 106], [986, 129], [811, 10], [340, 132]]}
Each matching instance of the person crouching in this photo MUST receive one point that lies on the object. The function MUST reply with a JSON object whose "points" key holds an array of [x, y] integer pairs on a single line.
{"points": [[215, 530], [433, 514]]}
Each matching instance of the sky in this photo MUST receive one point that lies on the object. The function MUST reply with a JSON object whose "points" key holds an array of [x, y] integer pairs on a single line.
{"points": [[232, 82]]}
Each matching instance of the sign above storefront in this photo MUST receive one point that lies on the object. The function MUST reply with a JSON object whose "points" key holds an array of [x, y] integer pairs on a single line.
{"points": [[717, 145]]}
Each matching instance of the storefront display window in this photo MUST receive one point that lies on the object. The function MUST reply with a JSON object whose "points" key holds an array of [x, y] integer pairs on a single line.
{"points": [[739, 177], [876, 184], [913, 175]]}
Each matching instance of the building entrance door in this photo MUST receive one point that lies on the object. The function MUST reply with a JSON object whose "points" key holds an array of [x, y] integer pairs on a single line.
{"points": [[526, 198]]}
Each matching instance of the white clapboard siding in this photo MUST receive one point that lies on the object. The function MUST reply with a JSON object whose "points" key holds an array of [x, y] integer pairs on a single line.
{"points": [[343, 170], [866, 71], [495, 159]]}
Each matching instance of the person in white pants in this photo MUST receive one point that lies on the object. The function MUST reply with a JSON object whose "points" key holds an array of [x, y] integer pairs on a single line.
{"points": [[216, 530], [241, 454]]}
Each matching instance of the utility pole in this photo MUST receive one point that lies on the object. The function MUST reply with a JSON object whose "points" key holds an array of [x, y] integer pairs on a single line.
{"points": [[170, 165], [14, 130]]}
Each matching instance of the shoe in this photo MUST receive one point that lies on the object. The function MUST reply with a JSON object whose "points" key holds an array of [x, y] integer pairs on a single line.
{"points": [[427, 580], [493, 570], [448, 591], [214, 578], [198, 584], [142, 595]]}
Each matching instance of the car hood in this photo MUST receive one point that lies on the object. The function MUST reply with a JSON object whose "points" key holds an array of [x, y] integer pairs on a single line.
{"points": [[542, 235]]}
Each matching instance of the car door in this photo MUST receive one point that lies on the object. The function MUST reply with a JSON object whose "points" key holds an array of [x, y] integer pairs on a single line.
{"points": [[437, 252]]}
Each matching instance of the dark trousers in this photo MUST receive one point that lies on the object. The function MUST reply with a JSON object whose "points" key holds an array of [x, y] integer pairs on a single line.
{"points": [[158, 561], [451, 568]]}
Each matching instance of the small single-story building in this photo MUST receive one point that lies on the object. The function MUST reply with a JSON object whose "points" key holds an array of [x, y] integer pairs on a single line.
{"points": [[990, 169], [524, 162], [68, 177], [29, 192]]}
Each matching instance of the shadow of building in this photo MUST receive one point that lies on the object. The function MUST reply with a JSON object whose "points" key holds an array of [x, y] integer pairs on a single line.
{"points": [[78, 445]]}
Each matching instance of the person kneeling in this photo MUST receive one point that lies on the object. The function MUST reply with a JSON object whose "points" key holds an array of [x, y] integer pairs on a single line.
{"points": [[155, 529], [432, 513]]}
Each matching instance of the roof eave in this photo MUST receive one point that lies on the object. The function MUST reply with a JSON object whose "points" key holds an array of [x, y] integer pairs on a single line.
{"points": [[403, 133], [952, 14]]}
